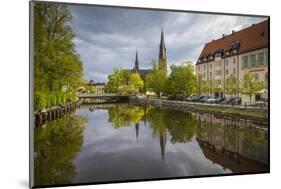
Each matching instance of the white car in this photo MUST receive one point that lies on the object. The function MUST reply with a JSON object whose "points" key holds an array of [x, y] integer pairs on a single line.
{"points": [[211, 99]]}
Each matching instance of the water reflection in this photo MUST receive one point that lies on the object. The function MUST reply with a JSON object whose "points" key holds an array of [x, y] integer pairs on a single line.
{"points": [[124, 142], [235, 144], [56, 145]]}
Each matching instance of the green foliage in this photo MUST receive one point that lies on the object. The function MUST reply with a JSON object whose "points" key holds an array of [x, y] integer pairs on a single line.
{"points": [[56, 63], [46, 100], [232, 85], [121, 116], [251, 85], [121, 81], [182, 79], [55, 146], [156, 80]]}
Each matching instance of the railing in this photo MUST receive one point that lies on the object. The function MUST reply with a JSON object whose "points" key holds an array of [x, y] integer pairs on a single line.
{"points": [[89, 95]]}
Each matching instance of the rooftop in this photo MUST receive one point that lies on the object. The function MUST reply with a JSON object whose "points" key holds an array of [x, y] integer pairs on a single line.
{"points": [[247, 39]]}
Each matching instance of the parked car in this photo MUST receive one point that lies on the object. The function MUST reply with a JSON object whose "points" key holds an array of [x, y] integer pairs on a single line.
{"points": [[195, 99], [181, 97], [211, 100], [235, 100], [204, 99], [171, 97], [219, 99]]}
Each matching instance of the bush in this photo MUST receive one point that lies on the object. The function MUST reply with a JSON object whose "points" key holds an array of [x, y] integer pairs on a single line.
{"points": [[46, 100]]}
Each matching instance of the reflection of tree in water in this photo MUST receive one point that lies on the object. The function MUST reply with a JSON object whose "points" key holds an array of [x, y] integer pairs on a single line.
{"points": [[254, 144], [56, 145], [121, 116], [180, 125]]}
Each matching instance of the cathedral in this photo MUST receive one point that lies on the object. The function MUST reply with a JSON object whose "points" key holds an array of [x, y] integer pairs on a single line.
{"points": [[162, 60]]}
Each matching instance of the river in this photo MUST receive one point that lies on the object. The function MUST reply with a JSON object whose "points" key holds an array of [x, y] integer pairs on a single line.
{"points": [[118, 142]]}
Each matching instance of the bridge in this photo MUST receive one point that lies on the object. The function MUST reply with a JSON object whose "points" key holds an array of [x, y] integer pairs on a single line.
{"points": [[92, 98]]}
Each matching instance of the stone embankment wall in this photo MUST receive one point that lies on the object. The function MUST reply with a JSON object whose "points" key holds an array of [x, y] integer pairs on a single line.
{"points": [[193, 107]]}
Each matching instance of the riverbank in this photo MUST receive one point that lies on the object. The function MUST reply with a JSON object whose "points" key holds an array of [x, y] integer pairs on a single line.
{"points": [[49, 114], [237, 112]]}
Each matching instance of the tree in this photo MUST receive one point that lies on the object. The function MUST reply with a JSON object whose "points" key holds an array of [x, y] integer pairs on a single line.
{"points": [[182, 79], [55, 61], [116, 80], [251, 85], [156, 80], [136, 82], [232, 85], [121, 81]]}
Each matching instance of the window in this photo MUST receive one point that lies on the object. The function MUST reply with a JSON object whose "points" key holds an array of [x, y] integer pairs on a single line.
{"points": [[218, 63], [226, 71], [227, 53], [204, 67], [218, 54], [234, 51], [211, 66], [198, 68], [256, 75], [204, 75], [261, 58], [210, 74], [245, 61], [234, 71], [234, 60], [218, 72], [252, 60], [226, 62], [219, 81]]}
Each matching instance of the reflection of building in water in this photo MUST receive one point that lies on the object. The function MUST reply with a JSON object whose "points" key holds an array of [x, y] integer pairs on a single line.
{"points": [[231, 160], [232, 144]]}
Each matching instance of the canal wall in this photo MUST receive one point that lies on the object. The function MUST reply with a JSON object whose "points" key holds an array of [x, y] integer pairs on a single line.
{"points": [[193, 107], [49, 114]]}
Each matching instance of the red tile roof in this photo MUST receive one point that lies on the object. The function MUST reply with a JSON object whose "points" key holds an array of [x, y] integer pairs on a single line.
{"points": [[251, 38]]}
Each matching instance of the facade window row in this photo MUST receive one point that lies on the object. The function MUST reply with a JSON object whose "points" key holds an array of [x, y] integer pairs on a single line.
{"points": [[253, 60]]}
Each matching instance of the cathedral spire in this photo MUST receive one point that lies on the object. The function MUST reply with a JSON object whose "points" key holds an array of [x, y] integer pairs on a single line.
{"points": [[136, 61], [162, 53]]}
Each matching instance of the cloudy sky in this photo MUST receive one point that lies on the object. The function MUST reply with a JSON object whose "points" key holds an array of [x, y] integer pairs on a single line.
{"points": [[107, 38]]}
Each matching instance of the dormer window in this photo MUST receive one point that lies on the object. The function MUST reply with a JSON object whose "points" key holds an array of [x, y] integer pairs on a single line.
{"points": [[205, 59], [234, 51], [261, 35], [218, 54], [234, 44], [227, 53]]}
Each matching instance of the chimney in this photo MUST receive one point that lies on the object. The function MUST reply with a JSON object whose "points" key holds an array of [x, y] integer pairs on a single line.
{"points": [[223, 35], [233, 31], [253, 25]]}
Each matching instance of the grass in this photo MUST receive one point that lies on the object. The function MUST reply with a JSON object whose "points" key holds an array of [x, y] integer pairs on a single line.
{"points": [[228, 110]]}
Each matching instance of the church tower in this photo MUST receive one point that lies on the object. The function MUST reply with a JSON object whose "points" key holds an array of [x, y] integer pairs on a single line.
{"points": [[136, 61], [162, 53]]}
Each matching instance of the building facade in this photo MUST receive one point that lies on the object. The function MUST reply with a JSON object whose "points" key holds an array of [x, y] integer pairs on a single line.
{"points": [[235, 54]]}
